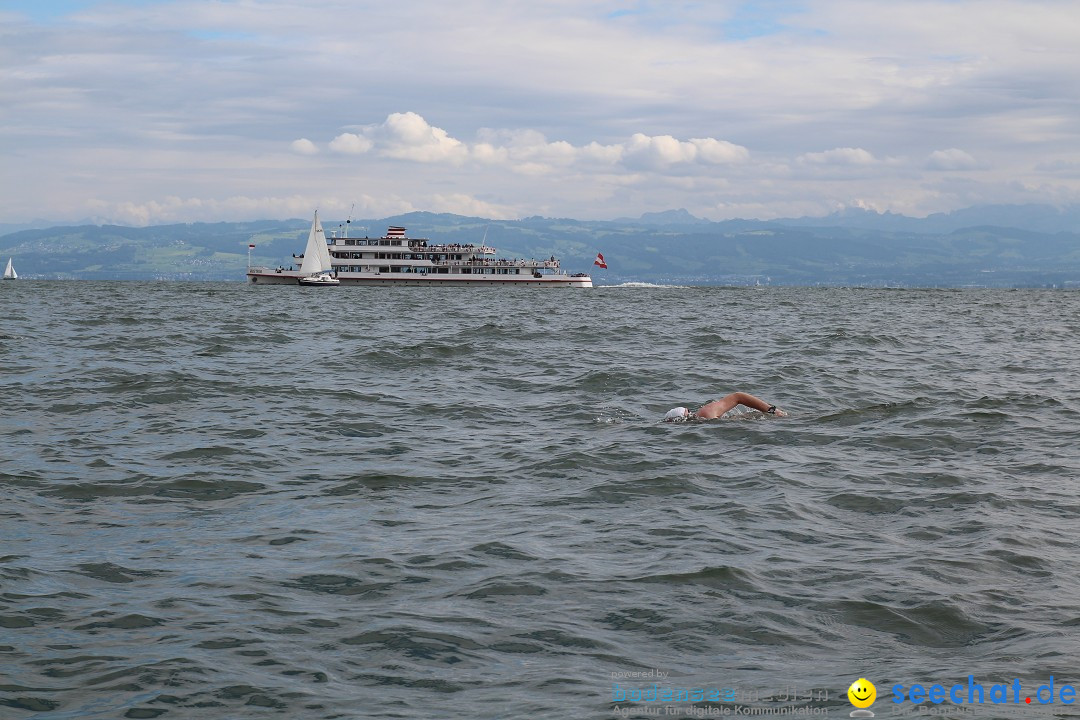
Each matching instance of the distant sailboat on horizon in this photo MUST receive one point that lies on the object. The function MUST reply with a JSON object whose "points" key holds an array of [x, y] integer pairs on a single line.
{"points": [[9, 271]]}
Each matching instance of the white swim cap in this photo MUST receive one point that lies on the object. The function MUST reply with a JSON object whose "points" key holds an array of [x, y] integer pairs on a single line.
{"points": [[676, 414]]}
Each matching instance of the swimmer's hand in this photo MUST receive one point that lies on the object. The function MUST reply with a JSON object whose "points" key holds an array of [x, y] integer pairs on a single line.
{"points": [[773, 410]]}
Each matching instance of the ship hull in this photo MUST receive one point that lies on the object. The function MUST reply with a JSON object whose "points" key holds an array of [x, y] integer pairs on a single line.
{"points": [[287, 277]]}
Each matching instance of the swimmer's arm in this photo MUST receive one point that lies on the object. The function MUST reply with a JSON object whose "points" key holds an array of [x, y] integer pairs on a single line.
{"points": [[750, 401], [754, 402], [718, 407]]}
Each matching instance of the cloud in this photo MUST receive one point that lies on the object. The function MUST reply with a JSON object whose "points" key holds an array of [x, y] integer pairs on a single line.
{"points": [[605, 114], [602, 154], [839, 156], [408, 136], [176, 209], [525, 151], [405, 136], [951, 159], [351, 144], [241, 207], [303, 146], [719, 152], [463, 204], [657, 152], [490, 154]]}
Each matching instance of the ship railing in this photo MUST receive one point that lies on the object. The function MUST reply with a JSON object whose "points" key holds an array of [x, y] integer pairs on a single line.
{"points": [[455, 248], [494, 263]]}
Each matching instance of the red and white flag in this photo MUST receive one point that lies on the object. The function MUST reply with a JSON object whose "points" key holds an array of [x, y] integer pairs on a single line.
{"points": [[600, 260], [251, 247]]}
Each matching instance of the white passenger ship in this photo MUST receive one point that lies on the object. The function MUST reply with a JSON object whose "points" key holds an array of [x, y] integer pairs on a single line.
{"points": [[395, 259]]}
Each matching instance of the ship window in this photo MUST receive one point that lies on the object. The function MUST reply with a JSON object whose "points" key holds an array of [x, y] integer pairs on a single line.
{"points": [[466, 271], [384, 268]]}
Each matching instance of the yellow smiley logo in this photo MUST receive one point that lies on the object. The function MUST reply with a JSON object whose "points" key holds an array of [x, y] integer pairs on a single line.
{"points": [[862, 693]]}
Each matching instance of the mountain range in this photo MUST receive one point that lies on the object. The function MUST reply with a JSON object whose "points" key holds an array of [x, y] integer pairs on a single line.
{"points": [[1000, 246]]}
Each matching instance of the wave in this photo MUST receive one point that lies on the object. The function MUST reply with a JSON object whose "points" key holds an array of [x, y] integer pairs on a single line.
{"points": [[644, 285]]}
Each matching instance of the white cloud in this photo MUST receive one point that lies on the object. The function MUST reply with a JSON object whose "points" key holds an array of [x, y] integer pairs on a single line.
{"points": [[603, 154], [303, 146], [658, 152], [462, 204], [526, 151], [409, 137], [351, 144], [719, 152], [951, 159], [490, 154], [839, 156], [405, 136], [172, 209], [603, 115]]}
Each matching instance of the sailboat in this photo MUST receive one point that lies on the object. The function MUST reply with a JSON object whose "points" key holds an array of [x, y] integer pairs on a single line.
{"points": [[315, 270], [9, 271]]}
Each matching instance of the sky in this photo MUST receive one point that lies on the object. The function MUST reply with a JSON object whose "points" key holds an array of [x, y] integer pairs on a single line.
{"points": [[144, 112]]}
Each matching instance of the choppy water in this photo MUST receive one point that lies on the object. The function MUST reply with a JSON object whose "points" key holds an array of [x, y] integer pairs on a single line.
{"points": [[238, 502]]}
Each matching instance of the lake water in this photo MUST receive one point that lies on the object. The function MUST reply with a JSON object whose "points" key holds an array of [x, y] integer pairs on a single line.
{"points": [[237, 502]]}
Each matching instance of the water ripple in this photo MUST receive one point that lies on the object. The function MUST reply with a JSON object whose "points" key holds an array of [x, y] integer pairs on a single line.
{"points": [[243, 501]]}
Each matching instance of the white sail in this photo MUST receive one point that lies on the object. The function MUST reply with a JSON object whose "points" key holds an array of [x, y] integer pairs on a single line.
{"points": [[9, 271], [316, 254]]}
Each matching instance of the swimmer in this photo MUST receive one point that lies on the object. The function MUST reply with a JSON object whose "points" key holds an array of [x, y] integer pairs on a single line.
{"points": [[717, 408]]}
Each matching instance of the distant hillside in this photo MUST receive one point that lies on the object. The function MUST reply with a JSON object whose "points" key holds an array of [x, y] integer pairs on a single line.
{"points": [[850, 248]]}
